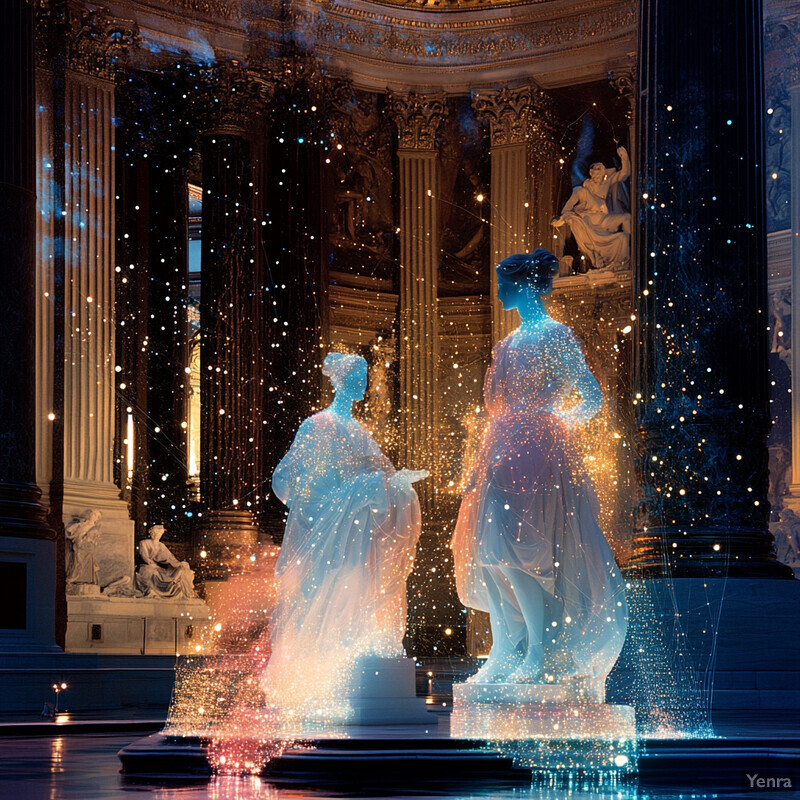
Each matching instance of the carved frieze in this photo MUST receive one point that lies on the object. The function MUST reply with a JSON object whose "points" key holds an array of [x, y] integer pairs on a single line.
{"points": [[387, 37], [417, 118]]}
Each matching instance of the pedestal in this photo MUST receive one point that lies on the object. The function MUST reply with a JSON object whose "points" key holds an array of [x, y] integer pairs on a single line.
{"points": [[548, 727], [135, 626], [384, 693]]}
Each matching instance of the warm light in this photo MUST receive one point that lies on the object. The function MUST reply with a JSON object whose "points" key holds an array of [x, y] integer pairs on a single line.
{"points": [[479, 198], [51, 416]]}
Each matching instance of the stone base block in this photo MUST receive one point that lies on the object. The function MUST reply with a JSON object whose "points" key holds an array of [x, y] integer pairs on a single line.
{"points": [[385, 693], [574, 692], [525, 721], [134, 625]]}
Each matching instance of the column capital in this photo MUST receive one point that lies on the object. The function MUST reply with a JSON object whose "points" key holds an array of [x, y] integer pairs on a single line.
{"points": [[624, 84], [89, 41], [417, 117], [507, 111], [230, 94]]}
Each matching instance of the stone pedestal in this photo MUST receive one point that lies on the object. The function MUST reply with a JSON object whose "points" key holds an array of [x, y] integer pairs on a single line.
{"points": [[551, 727], [384, 693], [139, 626]]}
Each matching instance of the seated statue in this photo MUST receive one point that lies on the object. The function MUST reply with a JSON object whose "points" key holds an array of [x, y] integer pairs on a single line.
{"points": [[162, 575], [598, 214], [81, 537], [348, 549]]}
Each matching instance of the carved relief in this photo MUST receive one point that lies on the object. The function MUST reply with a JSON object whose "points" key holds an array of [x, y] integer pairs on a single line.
{"points": [[778, 136], [417, 118], [464, 215], [361, 222]]}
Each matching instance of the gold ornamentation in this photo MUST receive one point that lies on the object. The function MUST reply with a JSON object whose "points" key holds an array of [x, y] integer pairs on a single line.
{"points": [[394, 38], [417, 118]]}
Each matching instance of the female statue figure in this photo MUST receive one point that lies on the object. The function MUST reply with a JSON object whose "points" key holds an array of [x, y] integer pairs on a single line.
{"points": [[82, 535], [162, 575], [348, 549], [527, 546]]}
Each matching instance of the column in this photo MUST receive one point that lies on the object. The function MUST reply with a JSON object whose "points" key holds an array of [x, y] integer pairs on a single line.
{"points": [[167, 343], [701, 387], [27, 548], [231, 379], [792, 500], [417, 118], [507, 112], [89, 314]]}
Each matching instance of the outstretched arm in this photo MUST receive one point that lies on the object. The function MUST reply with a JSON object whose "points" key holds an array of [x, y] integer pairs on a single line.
{"points": [[625, 170]]}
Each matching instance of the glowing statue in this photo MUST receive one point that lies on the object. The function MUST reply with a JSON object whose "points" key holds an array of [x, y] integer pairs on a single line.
{"points": [[348, 549], [598, 214], [527, 546]]}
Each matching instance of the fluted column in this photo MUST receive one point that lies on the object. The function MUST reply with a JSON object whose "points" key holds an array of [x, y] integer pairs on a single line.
{"points": [[701, 351], [507, 112], [417, 119], [167, 342], [231, 379], [27, 550]]}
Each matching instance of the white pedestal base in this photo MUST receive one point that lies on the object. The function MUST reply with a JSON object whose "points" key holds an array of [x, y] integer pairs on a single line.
{"points": [[547, 726], [384, 693], [503, 711]]}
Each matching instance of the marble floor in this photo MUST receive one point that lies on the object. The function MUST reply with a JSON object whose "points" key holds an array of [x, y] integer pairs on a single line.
{"points": [[85, 767]]}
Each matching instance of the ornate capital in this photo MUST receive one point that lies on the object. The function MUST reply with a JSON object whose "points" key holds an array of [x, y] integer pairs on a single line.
{"points": [[90, 41], [230, 96], [417, 118], [624, 85], [507, 112]]}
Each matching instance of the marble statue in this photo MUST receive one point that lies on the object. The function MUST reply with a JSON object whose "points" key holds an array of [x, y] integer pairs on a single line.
{"points": [[162, 575], [598, 214], [349, 546], [82, 535], [527, 547]]}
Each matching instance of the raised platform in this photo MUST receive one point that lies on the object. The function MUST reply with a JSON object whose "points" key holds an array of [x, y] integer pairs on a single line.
{"points": [[408, 755]]}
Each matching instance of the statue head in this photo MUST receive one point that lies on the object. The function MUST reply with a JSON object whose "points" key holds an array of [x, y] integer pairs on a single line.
{"points": [[597, 171], [348, 374], [525, 272], [156, 532]]}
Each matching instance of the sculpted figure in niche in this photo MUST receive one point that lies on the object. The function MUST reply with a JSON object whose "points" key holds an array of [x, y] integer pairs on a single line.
{"points": [[527, 547], [348, 549], [82, 535], [598, 214], [162, 575]]}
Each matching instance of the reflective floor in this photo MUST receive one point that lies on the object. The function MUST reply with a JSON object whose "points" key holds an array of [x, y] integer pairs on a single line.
{"points": [[85, 767]]}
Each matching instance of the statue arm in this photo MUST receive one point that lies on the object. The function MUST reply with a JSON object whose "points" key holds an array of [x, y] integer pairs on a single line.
{"points": [[569, 356], [624, 171], [574, 199], [301, 458]]}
